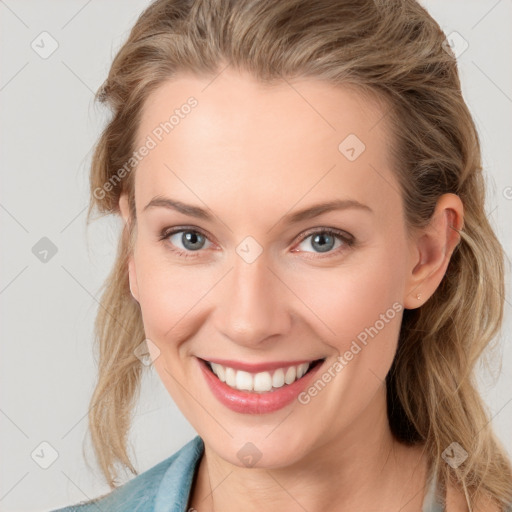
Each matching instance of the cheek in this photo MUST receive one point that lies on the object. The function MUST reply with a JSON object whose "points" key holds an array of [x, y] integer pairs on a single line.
{"points": [[361, 305], [170, 295], [342, 303], [358, 305], [172, 302]]}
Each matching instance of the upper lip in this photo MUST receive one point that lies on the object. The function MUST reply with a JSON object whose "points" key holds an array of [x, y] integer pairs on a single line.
{"points": [[258, 367]]}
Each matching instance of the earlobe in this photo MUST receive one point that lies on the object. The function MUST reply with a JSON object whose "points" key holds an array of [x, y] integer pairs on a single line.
{"points": [[432, 250]]}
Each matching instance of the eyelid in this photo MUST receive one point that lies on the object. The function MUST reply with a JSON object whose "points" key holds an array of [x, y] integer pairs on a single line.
{"points": [[347, 237], [348, 240], [167, 232]]}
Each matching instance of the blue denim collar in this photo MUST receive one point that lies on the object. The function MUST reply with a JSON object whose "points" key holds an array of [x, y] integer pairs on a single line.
{"points": [[176, 484]]}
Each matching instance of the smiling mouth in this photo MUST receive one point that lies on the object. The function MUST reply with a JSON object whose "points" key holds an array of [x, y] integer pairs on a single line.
{"points": [[264, 381]]}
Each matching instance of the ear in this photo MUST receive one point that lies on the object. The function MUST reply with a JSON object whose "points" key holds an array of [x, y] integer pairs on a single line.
{"points": [[124, 208], [431, 249]]}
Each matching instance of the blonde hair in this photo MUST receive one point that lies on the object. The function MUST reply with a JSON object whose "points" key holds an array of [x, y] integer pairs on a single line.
{"points": [[394, 50]]}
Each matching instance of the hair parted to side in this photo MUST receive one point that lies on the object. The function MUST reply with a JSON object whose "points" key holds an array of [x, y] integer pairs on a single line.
{"points": [[393, 50]]}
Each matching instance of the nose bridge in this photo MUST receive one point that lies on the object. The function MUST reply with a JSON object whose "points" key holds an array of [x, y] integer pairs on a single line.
{"points": [[253, 305]]}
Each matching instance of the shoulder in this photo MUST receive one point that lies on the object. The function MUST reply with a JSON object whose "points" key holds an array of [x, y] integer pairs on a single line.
{"points": [[139, 494]]}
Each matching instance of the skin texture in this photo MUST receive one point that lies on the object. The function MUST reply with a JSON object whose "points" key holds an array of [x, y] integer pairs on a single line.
{"points": [[251, 154]]}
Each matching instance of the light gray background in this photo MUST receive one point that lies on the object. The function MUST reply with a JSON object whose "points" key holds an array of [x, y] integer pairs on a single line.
{"points": [[48, 127]]}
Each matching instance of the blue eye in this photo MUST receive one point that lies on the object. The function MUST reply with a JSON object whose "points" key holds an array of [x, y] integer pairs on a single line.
{"points": [[191, 240], [325, 240], [187, 241]]}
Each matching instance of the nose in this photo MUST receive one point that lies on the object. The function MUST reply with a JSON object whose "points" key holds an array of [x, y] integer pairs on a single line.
{"points": [[253, 304]]}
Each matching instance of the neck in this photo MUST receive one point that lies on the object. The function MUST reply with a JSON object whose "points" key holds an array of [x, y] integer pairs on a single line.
{"points": [[362, 468]]}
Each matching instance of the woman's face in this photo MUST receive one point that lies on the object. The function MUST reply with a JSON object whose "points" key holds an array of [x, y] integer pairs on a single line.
{"points": [[248, 281]]}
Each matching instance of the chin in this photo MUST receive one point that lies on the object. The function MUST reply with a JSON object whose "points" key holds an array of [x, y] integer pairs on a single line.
{"points": [[256, 448]]}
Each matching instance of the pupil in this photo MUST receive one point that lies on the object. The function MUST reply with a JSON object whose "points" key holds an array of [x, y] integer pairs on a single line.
{"points": [[190, 239], [325, 246]]}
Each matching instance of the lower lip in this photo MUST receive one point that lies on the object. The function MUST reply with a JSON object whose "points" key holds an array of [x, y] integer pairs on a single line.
{"points": [[256, 403]]}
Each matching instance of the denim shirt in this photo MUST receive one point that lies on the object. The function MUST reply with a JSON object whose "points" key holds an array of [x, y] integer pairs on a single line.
{"points": [[163, 488], [166, 487]]}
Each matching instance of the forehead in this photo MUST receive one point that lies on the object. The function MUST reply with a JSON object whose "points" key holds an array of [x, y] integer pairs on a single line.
{"points": [[244, 141]]}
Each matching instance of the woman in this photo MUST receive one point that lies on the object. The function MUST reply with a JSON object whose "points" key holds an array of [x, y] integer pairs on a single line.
{"points": [[306, 256]]}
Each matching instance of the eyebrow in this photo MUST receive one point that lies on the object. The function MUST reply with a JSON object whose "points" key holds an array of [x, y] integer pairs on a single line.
{"points": [[291, 218]]}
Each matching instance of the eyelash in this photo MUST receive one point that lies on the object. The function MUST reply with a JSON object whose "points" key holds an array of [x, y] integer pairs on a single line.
{"points": [[348, 240]]}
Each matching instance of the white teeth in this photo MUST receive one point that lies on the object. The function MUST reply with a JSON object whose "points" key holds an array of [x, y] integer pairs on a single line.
{"points": [[302, 369], [278, 378], [244, 380], [230, 377], [260, 382], [219, 371], [290, 375]]}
